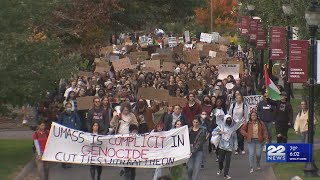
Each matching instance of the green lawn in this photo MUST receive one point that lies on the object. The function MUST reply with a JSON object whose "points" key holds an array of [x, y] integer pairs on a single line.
{"points": [[288, 170], [14, 154]]}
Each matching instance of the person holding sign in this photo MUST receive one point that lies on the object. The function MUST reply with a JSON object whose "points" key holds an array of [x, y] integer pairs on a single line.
{"points": [[122, 121], [197, 135], [255, 132], [95, 130], [144, 115], [40, 140]]}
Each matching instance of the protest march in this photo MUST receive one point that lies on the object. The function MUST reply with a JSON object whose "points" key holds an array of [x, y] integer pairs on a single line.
{"points": [[160, 102]]}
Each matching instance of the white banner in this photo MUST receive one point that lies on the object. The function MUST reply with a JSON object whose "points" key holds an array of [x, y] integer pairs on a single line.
{"points": [[205, 37], [252, 102], [228, 69], [215, 36], [151, 150]]}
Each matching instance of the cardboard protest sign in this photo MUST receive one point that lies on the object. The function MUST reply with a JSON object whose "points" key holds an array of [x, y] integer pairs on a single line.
{"points": [[168, 66], [200, 46], [165, 57], [122, 64], [106, 50], [192, 56], [223, 48], [235, 61], [101, 67], [177, 101], [228, 69], [97, 59], [194, 85], [163, 50], [205, 37], [139, 56], [153, 94], [215, 61], [85, 103], [252, 102], [85, 74], [178, 50], [153, 64], [152, 150]]}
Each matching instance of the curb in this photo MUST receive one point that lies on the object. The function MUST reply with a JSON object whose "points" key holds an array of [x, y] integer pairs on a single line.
{"points": [[26, 170]]}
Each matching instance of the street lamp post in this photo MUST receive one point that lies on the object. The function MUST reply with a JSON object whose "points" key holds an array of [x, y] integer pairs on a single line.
{"points": [[287, 10], [312, 16]]}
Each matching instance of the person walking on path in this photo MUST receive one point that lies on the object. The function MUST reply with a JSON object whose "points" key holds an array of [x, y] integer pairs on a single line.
{"points": [[301, 123], [197, 135], [255, 133], [283, 117], [239, 113], [40, 138], [192, 109], [265, 114], [95, 130], [99, 115], [176, 171], [228, 143]]}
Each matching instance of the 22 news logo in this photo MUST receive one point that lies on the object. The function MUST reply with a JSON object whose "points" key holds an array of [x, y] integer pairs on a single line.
{"points": [[276, 153]]}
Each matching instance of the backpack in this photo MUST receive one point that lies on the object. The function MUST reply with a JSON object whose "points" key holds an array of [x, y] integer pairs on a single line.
{"points": [[33, 145]]}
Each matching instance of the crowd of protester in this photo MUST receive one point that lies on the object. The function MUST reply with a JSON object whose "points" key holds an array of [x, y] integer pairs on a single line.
{"points": [[210, 111]]}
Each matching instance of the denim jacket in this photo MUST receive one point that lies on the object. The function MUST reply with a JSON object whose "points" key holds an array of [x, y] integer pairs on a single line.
{"points": [[228, 140], [200, 140]]}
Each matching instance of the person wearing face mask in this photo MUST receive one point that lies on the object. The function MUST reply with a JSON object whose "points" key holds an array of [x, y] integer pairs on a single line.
{"points": [[71, 120], [207, 124], [206, 105], [227, 144], [71, 99]]}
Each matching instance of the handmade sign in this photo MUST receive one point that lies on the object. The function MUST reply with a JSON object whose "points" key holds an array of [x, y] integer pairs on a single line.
{"points": [[95, 82], [193, 85], [178, 50], [151, 150], [252, 102], [168, 66], [228, 69], [97, 59], [187, 36], [153, 94], [205, 37], [122, 64], [106, 50], [114, 58], [212, 54], [223, 48], [192, 56], [215, 61], [177, 101], [85, 74], [101, 67], [215, 36], [235, 61], [139, 56], [167, 57], [153, 64], [85, 103]]}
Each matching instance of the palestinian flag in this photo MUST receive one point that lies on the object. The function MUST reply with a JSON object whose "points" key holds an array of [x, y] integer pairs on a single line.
{"points": [[271, 88]]}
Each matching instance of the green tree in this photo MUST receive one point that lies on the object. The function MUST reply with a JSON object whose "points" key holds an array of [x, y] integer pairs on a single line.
{"points": [[30, 59]]}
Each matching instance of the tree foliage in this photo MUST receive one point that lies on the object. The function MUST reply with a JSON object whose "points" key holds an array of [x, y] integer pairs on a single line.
{"points": [[30, 61], [224, 15]]}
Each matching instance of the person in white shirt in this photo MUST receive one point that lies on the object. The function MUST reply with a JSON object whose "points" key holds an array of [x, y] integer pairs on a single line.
{"points": [[239, 113], [72, 88]]}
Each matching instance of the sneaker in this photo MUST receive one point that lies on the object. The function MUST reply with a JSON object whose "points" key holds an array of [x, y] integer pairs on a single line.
{"points": [[217, 160], [258, 168], [227, 177], [202, 167], [219, 172], [121, 172], [236, 153], [251, 170], [243, 152]]}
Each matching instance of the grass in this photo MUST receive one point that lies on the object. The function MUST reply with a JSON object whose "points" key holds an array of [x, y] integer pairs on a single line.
{"points": [[288, 170], [14, 154]]}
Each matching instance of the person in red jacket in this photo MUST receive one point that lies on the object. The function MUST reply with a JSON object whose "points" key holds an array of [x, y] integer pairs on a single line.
{"points": [[40, 138], [191, 109]]}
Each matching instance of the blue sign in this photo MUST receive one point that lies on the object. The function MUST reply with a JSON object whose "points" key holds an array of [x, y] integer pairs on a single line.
{"points": [[289, 153]]}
